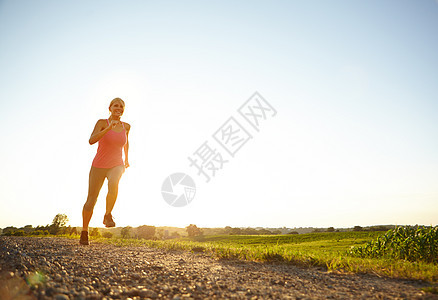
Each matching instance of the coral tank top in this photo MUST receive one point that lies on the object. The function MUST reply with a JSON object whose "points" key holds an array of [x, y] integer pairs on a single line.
{"points": [[109, 151]]}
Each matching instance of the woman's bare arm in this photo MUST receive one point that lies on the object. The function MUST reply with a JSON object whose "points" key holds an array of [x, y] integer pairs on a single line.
{"points": [[126, 147], [99, 131]]}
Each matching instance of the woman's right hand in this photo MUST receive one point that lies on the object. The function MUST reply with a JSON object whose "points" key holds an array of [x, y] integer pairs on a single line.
{"points": [[113, 124], [100, 129]]}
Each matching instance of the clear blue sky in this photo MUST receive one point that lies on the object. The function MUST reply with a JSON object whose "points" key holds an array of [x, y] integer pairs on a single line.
{"points": [[354, 83]]}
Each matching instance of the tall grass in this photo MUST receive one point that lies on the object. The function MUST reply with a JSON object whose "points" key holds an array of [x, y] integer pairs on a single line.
{"points": [[412, 243], [330, 251]]}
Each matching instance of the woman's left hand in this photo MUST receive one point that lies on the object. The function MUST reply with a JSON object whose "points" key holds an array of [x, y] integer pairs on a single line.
{"points": [[126, 164]]}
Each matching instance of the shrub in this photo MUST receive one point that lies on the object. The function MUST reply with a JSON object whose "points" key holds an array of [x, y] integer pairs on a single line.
{"points": [[146, 232], [38, 232], [413, 243], [73, 231], [174, 235], [126, 232], [193, 230], [107, 235], [95, 232], [9, 230], [18, 233], [357, 228]]}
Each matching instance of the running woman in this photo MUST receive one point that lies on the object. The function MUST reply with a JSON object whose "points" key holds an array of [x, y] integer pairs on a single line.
{"points": [[112, 135]]}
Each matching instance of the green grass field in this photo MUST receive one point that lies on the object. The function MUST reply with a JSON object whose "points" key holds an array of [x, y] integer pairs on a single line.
{"points": [[326, 250]]}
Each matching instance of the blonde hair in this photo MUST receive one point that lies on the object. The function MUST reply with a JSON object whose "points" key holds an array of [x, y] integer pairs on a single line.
{"points": [[115, 100]]}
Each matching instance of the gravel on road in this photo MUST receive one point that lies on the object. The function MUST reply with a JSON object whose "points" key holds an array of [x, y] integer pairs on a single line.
{"points": [[59, 268]]}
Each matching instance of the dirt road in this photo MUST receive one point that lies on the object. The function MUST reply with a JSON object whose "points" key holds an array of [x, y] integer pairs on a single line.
{"points": [[57, 268]]}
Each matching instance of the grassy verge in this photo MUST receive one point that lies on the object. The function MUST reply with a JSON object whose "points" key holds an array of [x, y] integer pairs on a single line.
{"points": [[328, 250]]}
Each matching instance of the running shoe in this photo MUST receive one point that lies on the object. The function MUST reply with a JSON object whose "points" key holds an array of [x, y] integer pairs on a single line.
{"points": [[108, 221], [84, 238]]}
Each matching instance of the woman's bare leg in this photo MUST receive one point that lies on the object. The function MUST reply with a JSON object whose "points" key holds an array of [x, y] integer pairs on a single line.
{"points": [[96, 179], [114, 175]]}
